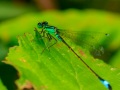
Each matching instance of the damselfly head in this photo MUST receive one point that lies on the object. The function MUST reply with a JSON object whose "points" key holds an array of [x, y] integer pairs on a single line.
{"points": [[42, 24]]}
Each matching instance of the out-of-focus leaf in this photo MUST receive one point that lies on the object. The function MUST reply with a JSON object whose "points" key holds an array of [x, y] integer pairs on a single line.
{"points": [[10, 10], [116, 60], [2, 87]]}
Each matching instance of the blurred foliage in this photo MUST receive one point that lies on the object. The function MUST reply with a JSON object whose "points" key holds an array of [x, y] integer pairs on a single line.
{"points": [[108, 5], [1, 86], [115, 59], [98, 21], [11, 10], [8, 75]]}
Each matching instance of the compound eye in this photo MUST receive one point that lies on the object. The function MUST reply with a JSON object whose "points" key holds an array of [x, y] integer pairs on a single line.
{"points": [[40, 25], [45, 23]]}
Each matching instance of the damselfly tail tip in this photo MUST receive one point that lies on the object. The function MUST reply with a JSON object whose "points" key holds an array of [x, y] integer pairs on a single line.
{"points": [[106, 84], [109, 87]]}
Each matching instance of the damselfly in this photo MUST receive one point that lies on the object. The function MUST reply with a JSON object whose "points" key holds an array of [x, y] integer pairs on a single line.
{"points": [[52, 32]]}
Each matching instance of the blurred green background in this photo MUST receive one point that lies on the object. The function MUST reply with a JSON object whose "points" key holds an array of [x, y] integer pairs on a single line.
{"points": [[20, 16]]}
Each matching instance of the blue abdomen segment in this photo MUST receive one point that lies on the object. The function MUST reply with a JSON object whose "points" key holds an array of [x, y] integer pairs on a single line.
{"points": [[106, 84]]}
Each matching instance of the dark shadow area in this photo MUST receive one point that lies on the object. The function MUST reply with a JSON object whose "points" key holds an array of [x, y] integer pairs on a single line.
{"points": [[8, 75]]}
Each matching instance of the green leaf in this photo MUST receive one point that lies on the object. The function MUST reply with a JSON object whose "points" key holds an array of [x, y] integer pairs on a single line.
{"points": [[2, 87], [115, 60], [58, 68]]}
